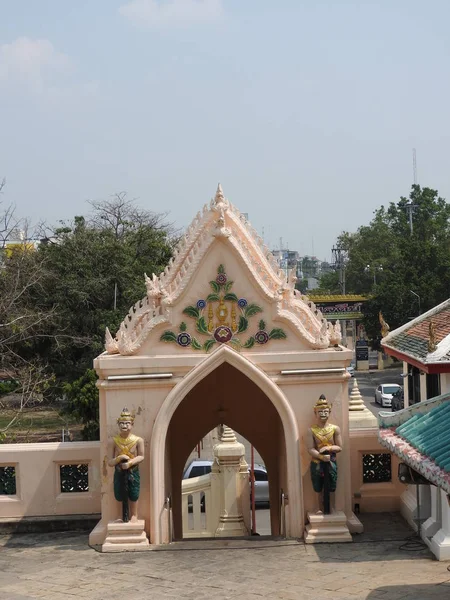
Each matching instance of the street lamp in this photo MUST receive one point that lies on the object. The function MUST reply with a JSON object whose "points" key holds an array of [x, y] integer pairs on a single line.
{"points": [[369, 268], [418, 298]]}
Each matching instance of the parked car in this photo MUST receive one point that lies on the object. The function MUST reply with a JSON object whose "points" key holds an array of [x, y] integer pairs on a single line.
{"points": [[203, 467], [384, 392], [351, 369], [398, 400]]}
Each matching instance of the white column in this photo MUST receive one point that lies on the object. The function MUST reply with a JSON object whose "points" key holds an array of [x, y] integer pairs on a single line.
{"points": [[423, 386], [433, 523], [230, 455], [440, 542], [405, 385]]}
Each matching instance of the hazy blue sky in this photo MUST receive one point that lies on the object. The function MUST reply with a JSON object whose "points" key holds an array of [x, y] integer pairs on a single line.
{"points": [[306, 112]]}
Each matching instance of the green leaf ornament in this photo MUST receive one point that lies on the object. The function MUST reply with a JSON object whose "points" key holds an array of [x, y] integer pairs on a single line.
{"points": [[243, 324], [277, 334], [168, 336], [196, 344], [250, 342], [252, 309], [192, 311], [209, 344], [201, 326]]}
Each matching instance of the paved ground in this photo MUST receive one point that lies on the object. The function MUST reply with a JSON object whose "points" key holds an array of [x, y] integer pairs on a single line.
{"points": [[61, 566]]}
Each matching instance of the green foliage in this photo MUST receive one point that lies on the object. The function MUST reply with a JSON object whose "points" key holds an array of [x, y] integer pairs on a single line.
{"points": [[228, 286], [183, 326], [231, 297], [250, 342], [212, 298], [243, 324], [221, 269], [94, 274], [387, 262], [252, 309], [82, 402], [277, 334], [262, 324], [192, 311], [6, 387], [196, 344], [168, 336], [201, 326], [329, 284], [209, 344], [215, 286]]}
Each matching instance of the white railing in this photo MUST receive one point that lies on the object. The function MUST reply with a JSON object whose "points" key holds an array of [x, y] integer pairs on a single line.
{"points": [[41, 480], [200, 515]]}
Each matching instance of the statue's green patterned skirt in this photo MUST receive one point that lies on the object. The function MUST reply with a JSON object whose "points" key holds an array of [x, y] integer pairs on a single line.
{"points": [[318, 476], [133, 484]]}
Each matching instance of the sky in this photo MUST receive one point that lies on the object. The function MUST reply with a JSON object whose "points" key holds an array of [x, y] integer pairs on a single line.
{"points": [[307, 112]]}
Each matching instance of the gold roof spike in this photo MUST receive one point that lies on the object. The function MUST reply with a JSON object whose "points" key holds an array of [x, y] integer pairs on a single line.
{"points": [[384, 326], [431, 337]]}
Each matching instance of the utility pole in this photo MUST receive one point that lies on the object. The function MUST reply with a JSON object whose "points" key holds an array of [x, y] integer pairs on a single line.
{"points": [[339, 264]]}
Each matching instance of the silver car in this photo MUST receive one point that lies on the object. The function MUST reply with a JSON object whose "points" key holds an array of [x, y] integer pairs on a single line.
{"points": [[203, 467]]}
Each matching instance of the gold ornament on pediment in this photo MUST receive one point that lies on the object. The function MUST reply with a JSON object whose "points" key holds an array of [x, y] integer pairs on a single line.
{"points": [[432, 345]]}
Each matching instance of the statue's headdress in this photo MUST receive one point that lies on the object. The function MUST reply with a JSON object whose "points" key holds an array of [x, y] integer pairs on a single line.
{"points": [[322, 402], [125, 415]]}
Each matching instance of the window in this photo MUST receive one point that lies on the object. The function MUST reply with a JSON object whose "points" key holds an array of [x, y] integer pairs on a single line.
{"points": [[200, 470], [74, 478], [260, 475], [376, 468]]}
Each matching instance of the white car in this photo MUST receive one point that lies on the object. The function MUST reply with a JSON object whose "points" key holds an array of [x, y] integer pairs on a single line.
{"points": [[203, 467], [384, 392]]}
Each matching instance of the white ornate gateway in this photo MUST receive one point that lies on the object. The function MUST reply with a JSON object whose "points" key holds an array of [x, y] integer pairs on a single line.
{"points": [[222, 336]]}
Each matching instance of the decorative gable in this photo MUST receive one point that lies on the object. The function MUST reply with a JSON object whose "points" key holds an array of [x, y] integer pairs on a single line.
{"points": [[221, 315]]}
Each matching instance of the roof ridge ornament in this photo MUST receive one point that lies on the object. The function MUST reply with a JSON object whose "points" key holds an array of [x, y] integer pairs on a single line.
{"points": [[432, 346], [384, 326]]}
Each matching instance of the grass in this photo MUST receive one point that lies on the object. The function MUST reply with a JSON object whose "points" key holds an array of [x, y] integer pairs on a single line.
{"points": [[37, 424]]}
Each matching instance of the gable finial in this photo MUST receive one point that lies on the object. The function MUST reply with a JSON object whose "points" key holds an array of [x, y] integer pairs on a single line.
{"points": [[219, 197], [431, 337]]}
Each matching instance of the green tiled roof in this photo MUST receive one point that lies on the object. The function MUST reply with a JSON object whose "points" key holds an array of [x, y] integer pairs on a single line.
{"points": [[430, 434]]}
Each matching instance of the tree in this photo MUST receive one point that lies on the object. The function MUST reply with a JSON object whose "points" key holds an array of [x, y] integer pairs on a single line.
{"points": [[82, 402], [97, 266], [23, 319], [395, 265]]}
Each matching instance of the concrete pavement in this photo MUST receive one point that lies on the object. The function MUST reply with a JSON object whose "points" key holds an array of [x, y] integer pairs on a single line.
{"points": [[61, 566]]}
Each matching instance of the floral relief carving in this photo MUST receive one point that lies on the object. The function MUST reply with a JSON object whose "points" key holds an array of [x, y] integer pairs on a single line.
{"points": [[222, 317]]}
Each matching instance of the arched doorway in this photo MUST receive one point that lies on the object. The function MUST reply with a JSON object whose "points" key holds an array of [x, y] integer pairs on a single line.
{"points": [[225, 387]]}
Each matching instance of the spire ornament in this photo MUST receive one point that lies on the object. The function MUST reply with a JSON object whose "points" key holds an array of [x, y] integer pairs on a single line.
{"points": [[432, 345], [384, 326]]}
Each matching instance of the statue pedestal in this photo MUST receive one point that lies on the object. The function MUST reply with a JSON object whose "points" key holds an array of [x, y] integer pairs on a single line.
{"points": [[123, 537], [327, 528]]}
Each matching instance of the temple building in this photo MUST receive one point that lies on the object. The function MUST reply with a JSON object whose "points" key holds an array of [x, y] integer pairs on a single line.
{"points": [[420, 433]]}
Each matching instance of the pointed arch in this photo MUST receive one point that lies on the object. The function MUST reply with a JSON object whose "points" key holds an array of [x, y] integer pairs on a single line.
{"points": [[224, 354]]}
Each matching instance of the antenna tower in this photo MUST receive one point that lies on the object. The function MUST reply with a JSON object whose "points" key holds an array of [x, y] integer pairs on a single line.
{"points": [[414, 167]]}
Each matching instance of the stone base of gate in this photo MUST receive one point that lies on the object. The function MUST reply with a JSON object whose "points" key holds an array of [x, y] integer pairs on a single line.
{"points": [[327, 528], [123, 537]]}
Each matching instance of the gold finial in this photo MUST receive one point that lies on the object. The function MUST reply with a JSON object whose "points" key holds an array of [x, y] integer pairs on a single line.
{"points": [[322, 402], [432, 337], [384, 326], [125, 415]]}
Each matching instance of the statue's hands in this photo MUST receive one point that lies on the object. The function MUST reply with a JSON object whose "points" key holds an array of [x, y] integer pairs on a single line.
{"points": [[326, 458], [325, 449], [126, 465], [122, 459]]}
